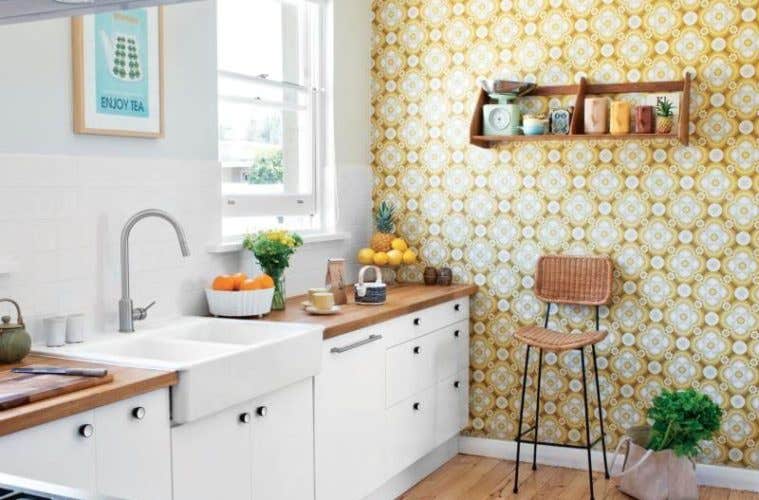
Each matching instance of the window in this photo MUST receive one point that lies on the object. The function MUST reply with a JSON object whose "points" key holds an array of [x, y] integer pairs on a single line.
{"points": [[271, 113]]}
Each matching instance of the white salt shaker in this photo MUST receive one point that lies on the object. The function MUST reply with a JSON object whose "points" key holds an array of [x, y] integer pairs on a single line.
{"points": [[55, 330], [75, 328]]}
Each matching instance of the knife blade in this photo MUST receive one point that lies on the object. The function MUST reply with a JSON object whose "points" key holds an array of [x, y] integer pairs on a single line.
{"points": [[57, 370]]}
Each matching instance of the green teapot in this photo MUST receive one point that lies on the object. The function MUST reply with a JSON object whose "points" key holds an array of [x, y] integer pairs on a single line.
{"points": [[15, 342]]}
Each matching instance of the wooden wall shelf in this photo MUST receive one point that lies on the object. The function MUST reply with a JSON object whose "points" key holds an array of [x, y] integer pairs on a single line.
{"points": [[582, 90]]}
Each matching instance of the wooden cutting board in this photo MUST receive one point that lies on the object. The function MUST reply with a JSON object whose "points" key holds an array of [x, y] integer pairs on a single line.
{"points": [[17, 389]]}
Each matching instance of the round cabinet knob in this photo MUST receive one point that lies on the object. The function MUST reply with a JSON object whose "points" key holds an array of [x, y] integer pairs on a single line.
{"points": [[417, 349], [457, 307], [417, 406], [456, 384], [417, 321], [261, 411], [245, 418], [456, 333], [86, 430], [138, 413]]}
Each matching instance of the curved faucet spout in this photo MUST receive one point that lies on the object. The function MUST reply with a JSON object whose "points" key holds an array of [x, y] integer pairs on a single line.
{"points": [[127, 314]]}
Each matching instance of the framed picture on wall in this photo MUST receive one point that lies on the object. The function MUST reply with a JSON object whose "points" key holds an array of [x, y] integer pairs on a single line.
{"points": [[118, 73]]}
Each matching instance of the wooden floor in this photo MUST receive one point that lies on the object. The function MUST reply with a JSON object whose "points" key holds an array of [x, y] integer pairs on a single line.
{"points": [[473, 478]]}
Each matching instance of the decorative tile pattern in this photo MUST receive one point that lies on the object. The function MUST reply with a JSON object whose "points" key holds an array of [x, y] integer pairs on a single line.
{"points": [[681, 223]]}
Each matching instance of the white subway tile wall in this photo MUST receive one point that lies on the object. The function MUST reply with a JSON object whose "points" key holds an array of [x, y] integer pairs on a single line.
{"points": [[61, 220]]}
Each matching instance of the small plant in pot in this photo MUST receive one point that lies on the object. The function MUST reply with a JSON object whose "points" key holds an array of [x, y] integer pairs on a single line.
{"points": [[665, 111], [659, 461]]}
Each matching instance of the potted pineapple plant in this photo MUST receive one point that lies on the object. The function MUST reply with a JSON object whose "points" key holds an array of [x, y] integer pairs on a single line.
{"points": [[665, 111]]}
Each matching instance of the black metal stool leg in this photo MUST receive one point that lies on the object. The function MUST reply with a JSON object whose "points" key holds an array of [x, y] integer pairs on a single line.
{"points": [[587, 420], [537, 415], [521, 417], [600, 413]]}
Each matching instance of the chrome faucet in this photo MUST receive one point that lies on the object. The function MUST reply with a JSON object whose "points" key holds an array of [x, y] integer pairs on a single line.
{"points": [[127, 313]]}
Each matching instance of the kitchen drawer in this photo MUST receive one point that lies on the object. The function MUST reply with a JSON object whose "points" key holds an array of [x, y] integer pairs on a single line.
{"points": [[56, 452], [451, 350], [412, 325], [134, 435], [410, 428], [410, 367], [451, 406]]}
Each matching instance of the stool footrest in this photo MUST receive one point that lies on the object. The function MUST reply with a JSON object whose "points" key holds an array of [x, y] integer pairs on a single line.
{"points": [[529, 430], [561, 445]]}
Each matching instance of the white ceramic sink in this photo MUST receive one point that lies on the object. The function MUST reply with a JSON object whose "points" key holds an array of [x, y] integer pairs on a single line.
{"points": [[221, 362]]}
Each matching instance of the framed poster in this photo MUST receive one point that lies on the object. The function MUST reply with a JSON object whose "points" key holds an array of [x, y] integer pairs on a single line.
{"points": [[118, 73]]}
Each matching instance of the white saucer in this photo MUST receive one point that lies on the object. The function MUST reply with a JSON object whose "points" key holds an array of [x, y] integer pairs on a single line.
{"points": [[322, 312]]}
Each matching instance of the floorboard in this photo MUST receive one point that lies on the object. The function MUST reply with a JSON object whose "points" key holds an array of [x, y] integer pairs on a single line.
{"points": [[469, 477]]}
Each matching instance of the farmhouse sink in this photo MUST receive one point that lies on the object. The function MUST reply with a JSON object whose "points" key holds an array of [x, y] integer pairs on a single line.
{"points": [[220, 362]]}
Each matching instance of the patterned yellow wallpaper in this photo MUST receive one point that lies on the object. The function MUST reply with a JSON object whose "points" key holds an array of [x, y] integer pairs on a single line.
{"points": [[681, 223]]}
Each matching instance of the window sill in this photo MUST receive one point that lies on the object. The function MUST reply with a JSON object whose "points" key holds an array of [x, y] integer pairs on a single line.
{"points": [[235, 245]]}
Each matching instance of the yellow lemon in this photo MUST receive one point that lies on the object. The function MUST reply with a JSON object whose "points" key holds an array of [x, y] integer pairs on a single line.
{"points": [[366, 256], [380, 258], [395, 257], [409, 257], [399, 244]]}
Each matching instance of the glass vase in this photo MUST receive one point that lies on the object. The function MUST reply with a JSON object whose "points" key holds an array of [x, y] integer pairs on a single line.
{"points": [[278, 301]]}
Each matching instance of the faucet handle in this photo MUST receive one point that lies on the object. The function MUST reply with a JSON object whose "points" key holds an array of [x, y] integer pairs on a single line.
{"points": [[140, 313]]}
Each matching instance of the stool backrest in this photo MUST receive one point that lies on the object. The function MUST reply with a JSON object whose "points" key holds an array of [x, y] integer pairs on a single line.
{"points": [[571, 279]]}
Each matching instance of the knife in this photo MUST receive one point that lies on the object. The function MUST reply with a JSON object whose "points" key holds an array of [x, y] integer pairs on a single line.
{"points": [[57, 370]]}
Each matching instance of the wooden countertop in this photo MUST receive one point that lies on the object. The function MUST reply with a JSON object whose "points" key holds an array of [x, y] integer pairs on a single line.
{"points": [[401, 299], [127, 382]]}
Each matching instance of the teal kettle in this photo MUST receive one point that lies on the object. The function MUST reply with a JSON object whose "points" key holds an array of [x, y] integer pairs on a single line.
{"points": [[15, 341]]}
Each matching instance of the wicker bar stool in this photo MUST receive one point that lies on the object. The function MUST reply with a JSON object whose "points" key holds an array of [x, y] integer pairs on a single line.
{"points": [[566, 279]]}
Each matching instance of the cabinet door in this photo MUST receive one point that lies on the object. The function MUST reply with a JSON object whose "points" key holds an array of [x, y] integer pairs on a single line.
{"points": [[452, 354], [211, 457], [410, 430], [349, 416], [451, 407], [134, 441], [283, 444], [60, 452], [411, 367]]}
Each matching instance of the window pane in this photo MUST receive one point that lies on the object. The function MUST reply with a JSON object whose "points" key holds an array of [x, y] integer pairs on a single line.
{"points": [[265, 149], [263, 37]]}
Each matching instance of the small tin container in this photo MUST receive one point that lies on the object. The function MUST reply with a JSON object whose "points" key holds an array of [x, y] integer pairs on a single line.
{"points": [[445, 276], [430, 275]]}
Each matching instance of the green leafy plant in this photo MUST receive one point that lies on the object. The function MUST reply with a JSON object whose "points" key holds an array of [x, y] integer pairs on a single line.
{"points": [[682, 419], [267, 169]]}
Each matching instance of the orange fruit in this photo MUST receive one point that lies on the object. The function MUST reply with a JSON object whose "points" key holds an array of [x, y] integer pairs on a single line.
{"points": [[224, 282], [239, 278], [265, 281], [249, 284]]}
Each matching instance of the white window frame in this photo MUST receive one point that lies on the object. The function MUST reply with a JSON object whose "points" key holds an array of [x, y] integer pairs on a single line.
{"points": [[290, 203]]}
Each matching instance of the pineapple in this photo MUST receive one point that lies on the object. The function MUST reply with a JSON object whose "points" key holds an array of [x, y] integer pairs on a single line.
{"points": [[383, 220], [664, 112]]}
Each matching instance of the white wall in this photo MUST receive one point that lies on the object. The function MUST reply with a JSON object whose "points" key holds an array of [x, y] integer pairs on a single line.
{"points": [[36, 83], [64, 197]]}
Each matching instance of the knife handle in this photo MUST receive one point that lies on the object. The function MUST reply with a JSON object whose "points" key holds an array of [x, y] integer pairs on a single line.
{"points": [[87, 372]]}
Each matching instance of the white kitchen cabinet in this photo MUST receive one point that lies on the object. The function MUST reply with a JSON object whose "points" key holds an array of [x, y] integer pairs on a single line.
{"points": [[283, 444], [211, 457], [108, 450], [410, 367], [452, 406], [350, 415], [394, 398], [60, 452], [133, 441], [410, 429]]}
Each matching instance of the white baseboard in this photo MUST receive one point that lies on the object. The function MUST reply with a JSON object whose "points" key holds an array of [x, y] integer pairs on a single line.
{"points": [[708, 475], [404, 480]]}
